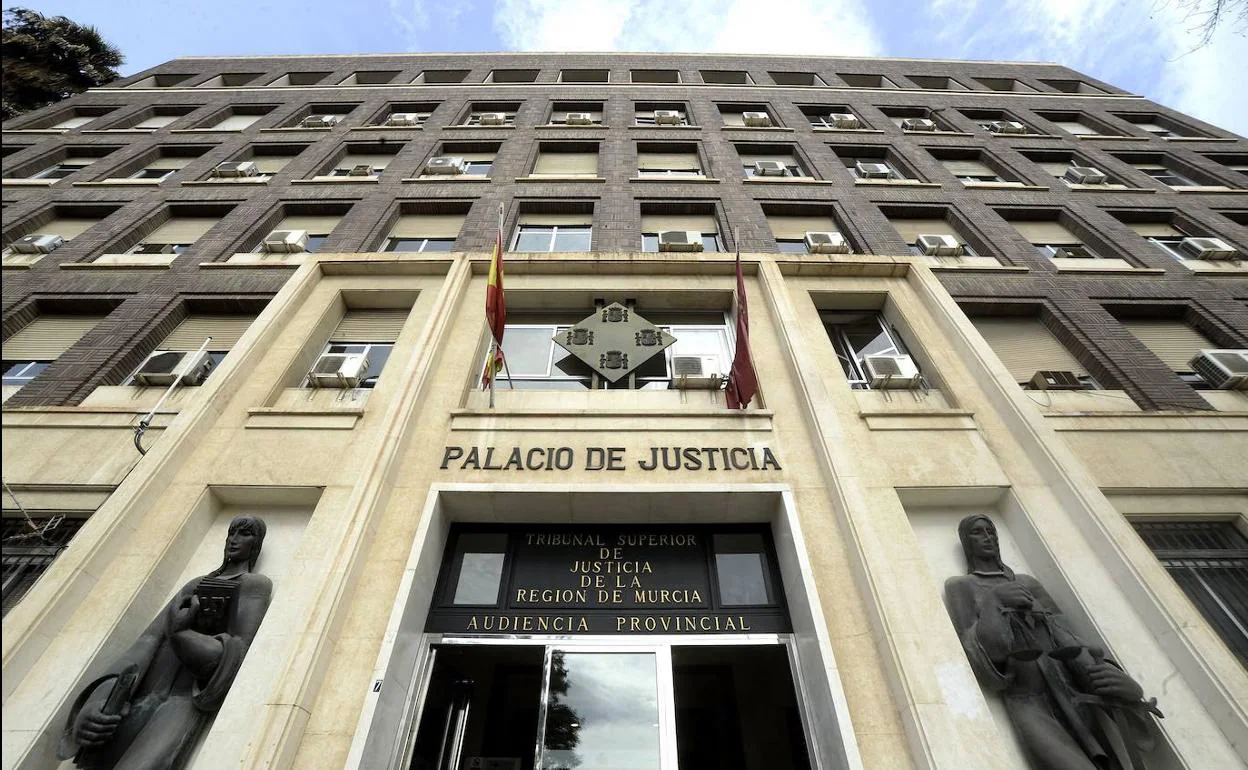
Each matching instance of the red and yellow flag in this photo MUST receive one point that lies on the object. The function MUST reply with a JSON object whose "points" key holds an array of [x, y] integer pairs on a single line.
{"points": [[495, 310]]}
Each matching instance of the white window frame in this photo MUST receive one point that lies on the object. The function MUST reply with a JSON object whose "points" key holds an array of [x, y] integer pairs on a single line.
{"points": [[554, 236], [24, 375], [358, 348], [474, 118], [424, 243], [1050, 250], [75, 167]]}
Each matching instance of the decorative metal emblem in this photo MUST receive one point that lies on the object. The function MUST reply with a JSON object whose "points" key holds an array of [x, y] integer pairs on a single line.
{"points": [[614, 341]]}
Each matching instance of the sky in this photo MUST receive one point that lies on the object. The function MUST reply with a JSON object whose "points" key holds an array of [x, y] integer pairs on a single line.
{"points": [[1148, 47]]}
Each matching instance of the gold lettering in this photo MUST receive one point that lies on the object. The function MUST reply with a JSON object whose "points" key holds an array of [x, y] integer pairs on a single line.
{"points": [[619, 623], [472, 623], [583, 625], [742, 624], [543, 623]]}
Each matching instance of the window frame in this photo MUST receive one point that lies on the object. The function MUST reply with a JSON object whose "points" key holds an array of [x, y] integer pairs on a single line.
{"points": [[714, 238], [392, 241], [369, 380], [22, 378], [555, 232], [851, 360]]}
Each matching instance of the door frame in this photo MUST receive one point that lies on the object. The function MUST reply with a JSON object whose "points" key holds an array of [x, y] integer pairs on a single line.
{"points": [[400, 675]]}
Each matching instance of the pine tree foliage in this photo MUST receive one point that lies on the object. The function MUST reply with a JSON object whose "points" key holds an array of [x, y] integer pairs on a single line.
{"points": [[49, 58]]}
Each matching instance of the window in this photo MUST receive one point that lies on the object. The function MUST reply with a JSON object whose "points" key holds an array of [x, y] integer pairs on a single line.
{"points": [[300, 79], [969, 169], [317, 226], [1057, 163], [68, 222], [1163, 235], [551, 238], [899, 116], [425, 232], [440, 77], [30, 547], [584, 76], [1174, 341], [159, 120], [30, 349], [998, 122], [873, 163], [167, 162], [832, 118], [1005, 84], [866, 81], [512, 76], [1233, 162], [1026, 346], [370, 333], [660, 114], [752, 155], [1166, 176], [270, 159], [654, 76], [726, 77], [790, 229], [1073, 123], [75, 121], [487, 115], [363, 156], [566, 159], [537, 362], [478, 157], [659, 220], [1052, 239], [936, 83], [796, 79], [230, 80], [175, 236], [417, 113], [910, 228], [237, 118], [1071, 86], [746, 116], [858, 334], [189, 336], [1209, 561], [582, 111], [370, 78], [64, 168], [663, 160], [164, 80], [1156, 125]]}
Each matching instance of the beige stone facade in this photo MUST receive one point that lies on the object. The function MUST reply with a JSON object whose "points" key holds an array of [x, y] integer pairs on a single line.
{"points": [[359, 496]]}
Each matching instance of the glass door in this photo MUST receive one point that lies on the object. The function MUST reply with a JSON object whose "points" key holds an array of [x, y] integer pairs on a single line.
{"points": [[601, 705]]}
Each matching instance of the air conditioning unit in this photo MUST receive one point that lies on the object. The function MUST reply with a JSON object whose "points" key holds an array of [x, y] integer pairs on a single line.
{"points": [[680, 240], [38, 244], [579, 119], [873, 170], [892, 371], [1055, 380], [1223, 369], [696, 373], [844, 120], [165, 367], [1084, 175], [492, 118], [939, 245], [1007, 127], [770, 168], [756, 119], [155, 248], [668, 117], [403, 119], [1207, 248], [361, 169], [285, 241], [235, 169], [444, 164], [338, 370], [319, 121], [826, 243], [918, 124]]}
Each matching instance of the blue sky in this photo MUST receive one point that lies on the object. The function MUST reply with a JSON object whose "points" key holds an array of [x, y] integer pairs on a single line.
{"points": [[1145, 46]]}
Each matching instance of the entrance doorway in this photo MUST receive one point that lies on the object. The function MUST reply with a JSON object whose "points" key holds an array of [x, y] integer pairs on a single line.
{"points": [[718, 704]]}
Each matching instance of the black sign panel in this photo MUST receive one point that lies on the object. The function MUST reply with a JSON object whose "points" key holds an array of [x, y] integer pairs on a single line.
{"points": [[620, 579]]}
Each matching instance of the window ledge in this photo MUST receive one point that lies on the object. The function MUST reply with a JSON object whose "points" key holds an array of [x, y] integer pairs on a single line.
{"points": [[108, 261], [339, 418], [280, 129], [675, 179], [259, 259], [1216, 267], [562, 127], [118, 130], [120, 183], [976, 267], [808, 180], [229, 180], [512, 414], [963, 263], [21, 261], [1198, 138], [893, 183], [20, 131], [1003, 186], [935, 418], [1109, 188], [665, 128], [386, 128], [1109, 265], [559, 178], [935, 133], [459, 178], [478, 128], [824, 130], [1218, 189], [338, 180], [781, 129], [206, 130], [1023, 136], [28, 182], [1094, 137]]}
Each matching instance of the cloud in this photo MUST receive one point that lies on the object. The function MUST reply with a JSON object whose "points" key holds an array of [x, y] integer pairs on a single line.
{"points": [[415, 20], [817, 27]]}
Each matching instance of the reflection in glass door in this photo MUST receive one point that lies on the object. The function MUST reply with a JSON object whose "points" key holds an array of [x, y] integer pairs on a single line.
{"points": [[601, 711]]}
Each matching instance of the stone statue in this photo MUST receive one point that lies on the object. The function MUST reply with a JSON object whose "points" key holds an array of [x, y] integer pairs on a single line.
{"points": [[1072, 708], [148, 711]]}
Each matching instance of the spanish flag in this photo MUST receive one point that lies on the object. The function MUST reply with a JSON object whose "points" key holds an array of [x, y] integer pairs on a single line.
{"points": [[495, 308], [742, 380]]}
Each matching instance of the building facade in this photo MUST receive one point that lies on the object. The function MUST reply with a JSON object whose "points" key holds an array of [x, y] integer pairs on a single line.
{"points": [[974, 287]]}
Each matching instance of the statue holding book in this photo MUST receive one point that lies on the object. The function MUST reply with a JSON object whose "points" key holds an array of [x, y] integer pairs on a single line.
{"points": [[148, 711]]}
